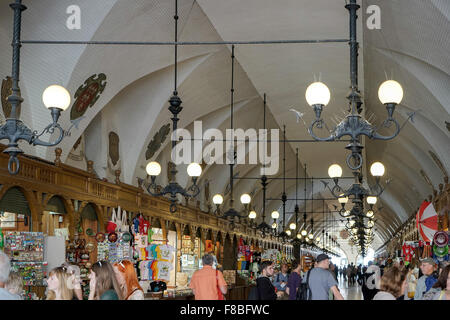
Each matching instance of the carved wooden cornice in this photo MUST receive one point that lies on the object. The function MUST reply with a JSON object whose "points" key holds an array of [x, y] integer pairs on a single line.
{"points": [[74, 184]]}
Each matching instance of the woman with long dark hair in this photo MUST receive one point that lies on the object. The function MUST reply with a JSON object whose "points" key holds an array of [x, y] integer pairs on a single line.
{"points": [[103, 284]]}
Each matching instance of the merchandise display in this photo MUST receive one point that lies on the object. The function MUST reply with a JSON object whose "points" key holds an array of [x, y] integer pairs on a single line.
{"points": [[26, 251]]}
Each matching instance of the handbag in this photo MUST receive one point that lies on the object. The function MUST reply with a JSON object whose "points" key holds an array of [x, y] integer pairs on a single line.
{"points": [[219, 292], [304, 291], [124, 222], [112, 225]]}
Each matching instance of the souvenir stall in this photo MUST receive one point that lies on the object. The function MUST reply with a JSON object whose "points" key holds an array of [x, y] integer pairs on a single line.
{"points": [[26, 252], [191, 253], [244, 259], [157, 267]]}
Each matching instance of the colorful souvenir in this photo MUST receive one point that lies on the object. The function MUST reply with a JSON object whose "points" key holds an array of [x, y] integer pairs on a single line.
{"points": [[100, 237], [112, 237], [440, 239]]}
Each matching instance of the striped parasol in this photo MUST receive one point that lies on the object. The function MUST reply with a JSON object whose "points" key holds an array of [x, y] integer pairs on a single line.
{"points": [[427, 221]]}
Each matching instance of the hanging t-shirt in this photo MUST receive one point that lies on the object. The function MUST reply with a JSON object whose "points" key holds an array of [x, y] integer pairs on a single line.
{"points": [[152, 252], [144, 270], [165, 252], [163, 269], [143, 226]]}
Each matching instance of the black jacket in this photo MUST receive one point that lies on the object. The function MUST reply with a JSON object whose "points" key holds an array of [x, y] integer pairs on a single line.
{"points": [[266, 289]]}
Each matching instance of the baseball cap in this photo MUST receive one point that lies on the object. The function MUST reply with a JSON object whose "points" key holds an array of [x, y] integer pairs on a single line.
{"points": [[322, 257], [428, 260]]}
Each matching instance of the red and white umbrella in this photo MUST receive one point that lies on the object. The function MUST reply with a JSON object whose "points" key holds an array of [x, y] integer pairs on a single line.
{"points": [[427, 221]]}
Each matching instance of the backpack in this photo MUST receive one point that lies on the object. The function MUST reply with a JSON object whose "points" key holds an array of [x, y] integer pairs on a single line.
{"points": [[254, 294], [304, 291]]}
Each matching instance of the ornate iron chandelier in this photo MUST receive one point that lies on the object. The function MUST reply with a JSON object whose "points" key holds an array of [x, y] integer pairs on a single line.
{"points": [[354, 125], [231, 214], [153, 168], [56, 98]]}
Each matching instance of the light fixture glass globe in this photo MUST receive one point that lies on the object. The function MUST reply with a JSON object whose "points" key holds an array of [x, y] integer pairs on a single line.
{"points": [[194, 170], [370, 224], [245, 198], [252, 215], [304, 233], [56, 97], [371, 200], [217, 199], [275, 214], [310, 236], [153, 168], [288, 232], [342, 199], [299, 236], [352, 223], [318, 239], [354, 230], [346, 213], [377, 169], [307, 239], [390, 91], [292, 226], [274, 225], [369, 214], [335, 171], [317, 93]]}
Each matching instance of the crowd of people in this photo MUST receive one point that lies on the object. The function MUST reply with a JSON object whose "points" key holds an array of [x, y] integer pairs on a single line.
{"points": [[119, 281], [378, 282], [107, 281]]}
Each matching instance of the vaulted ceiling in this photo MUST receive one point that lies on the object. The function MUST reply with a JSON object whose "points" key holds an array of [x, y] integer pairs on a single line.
{"points": [[411, 47]]}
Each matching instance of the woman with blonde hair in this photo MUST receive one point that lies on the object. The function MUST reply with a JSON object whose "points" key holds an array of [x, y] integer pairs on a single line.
{"points": [[58, 285], [15, 284], [128, 281], [103, 284], [392, 284]]}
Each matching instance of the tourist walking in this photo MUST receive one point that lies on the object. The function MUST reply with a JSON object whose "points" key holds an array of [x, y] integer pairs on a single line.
{"points": [[393, 284], [207, 282], [264, 289], [294, 281], [281, 279], [5, 266], [15, 284], [321, 281], [128, 281], [349, 274], [103, 284], [441, 289], [58, 284], [427, 267]]}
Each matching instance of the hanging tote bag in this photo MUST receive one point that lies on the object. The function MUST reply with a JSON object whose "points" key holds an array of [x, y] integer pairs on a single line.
{"points": [[124, 227], [219, 292], [111, 226], [118, 220]]}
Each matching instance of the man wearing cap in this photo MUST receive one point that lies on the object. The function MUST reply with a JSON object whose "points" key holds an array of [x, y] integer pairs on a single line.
{"points": [[321, 280], [427, 267]]}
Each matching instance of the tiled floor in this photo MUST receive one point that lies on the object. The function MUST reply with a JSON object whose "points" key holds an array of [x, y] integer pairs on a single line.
{"points": [[350, 292]]}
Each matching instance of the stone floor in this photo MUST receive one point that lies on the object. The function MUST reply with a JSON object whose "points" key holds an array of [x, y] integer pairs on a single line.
{"points": [[352, 292]]}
